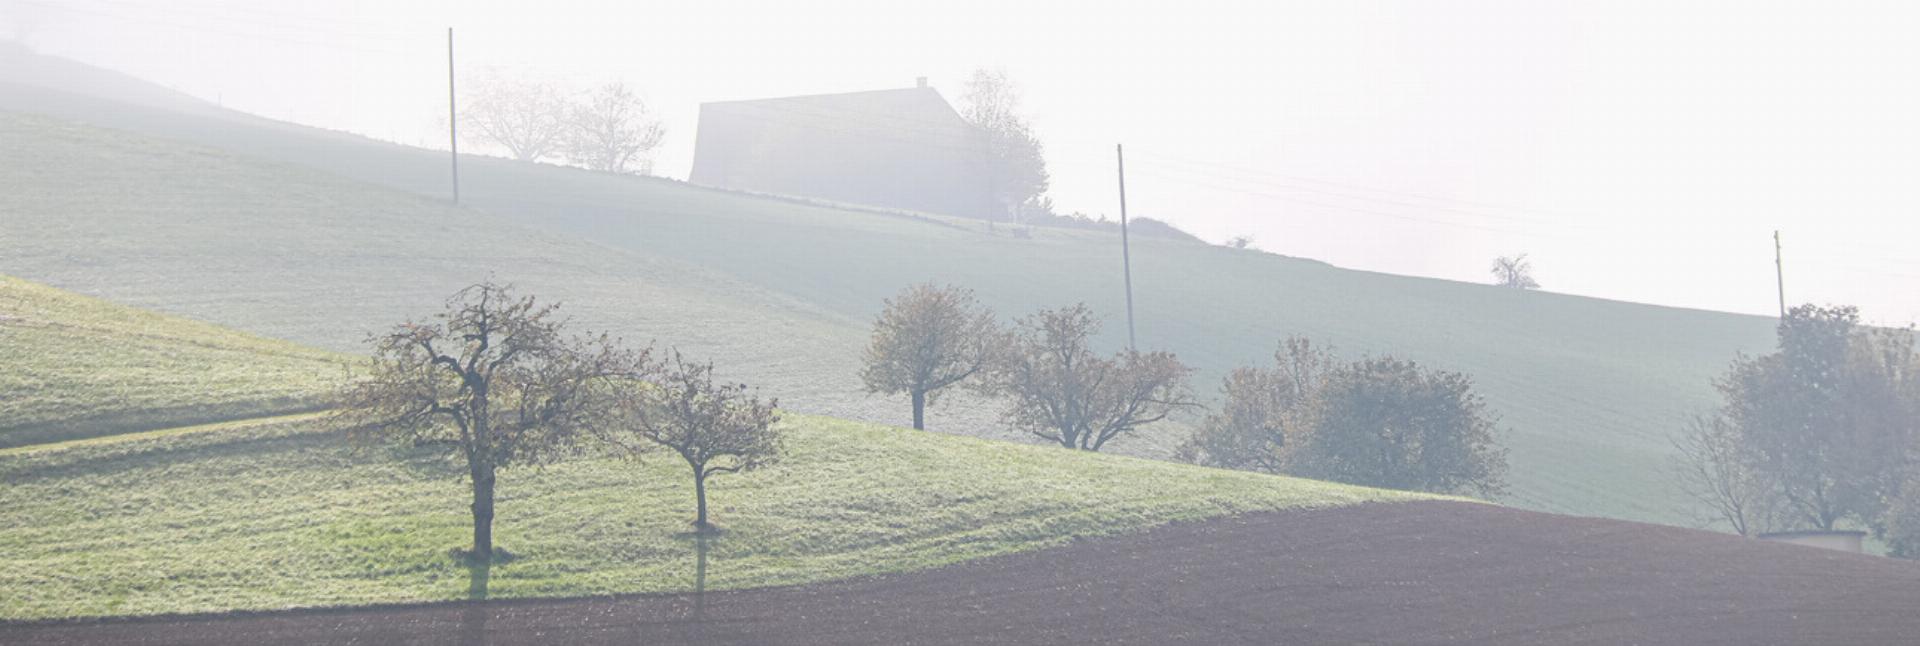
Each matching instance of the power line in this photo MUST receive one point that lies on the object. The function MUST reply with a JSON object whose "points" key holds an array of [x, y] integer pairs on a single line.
{"points": [[1348, 208], [1358, 187]]}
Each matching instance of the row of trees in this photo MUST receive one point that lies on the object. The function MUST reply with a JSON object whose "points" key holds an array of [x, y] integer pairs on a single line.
{"points": [[1058, 388], [1820, 434], [608, 128], [497, 382], [1378, 421]]}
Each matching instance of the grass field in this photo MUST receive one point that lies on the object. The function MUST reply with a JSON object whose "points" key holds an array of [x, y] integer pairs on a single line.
{"points": [[78, 367], [289, 514], [1589, 389]]}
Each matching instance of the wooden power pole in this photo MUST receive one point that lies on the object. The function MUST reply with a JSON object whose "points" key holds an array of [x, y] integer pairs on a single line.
{"points": [[453, 120], [1126, 254], [1779, 275]]}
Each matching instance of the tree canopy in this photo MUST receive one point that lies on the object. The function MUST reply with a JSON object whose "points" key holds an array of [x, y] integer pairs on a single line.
{"points": [[1061, 391], [926, 339], [495, 380], [1016, 160]]}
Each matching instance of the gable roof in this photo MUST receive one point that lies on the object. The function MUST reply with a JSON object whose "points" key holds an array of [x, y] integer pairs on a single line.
{"points": [[904, 148], [925, 103]]}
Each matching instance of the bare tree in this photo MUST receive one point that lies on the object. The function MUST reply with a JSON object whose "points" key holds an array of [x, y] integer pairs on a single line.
{"points": [[928, 338], [526, 117], [611, 130], [1712, 466], [1016, 160], [1515, 272], [1063, 393], [493, 380], [1242, 241], [715, 427]]}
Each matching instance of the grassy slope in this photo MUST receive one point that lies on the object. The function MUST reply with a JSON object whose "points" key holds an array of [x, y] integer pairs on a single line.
{"points": [[287, 514], [293, 254], [78, 367], [1590, 388]]}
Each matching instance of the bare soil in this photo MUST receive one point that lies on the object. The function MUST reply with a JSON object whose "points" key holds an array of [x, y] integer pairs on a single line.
{"points": [[1409, 573]]}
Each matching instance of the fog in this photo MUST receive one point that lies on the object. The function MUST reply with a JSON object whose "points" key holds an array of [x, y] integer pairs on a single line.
{"points": [[1637, 151]]}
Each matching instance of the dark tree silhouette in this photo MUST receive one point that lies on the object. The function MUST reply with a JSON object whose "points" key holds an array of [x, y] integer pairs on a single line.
{"points": [[493, 380], [1386, 422], [1379, 421], [1827, 419]]}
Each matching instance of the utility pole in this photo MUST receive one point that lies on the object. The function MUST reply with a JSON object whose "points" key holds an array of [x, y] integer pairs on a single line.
{"points": [[453, 120], [1126, 254], [1779, 275]]}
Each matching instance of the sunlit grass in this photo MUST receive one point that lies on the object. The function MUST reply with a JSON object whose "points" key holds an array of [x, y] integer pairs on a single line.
{"points": [[72, 367], [319, 238], [288, 514]]}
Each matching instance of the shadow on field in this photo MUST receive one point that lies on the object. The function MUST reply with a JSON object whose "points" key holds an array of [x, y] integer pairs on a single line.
{"points": [[477, 574], [473, 620], [696, 626]]}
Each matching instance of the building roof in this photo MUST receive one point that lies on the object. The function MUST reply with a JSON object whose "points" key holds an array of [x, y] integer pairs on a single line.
{"points": [[869, 103], [903, 148]]}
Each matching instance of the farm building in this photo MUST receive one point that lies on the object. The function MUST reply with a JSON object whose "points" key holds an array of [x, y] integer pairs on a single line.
{"points": [[904, 148]]}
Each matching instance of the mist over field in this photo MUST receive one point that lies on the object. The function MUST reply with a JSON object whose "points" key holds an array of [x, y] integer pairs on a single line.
{"points": [[1637, 151], [837, 322]]}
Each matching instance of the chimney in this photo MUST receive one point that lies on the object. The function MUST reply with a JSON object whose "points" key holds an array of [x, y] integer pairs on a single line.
{"points": [[920, 82]]}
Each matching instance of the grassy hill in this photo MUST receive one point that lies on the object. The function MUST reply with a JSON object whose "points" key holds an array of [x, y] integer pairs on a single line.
{"points": [[783, 292], [78, 367], [288, 514]]}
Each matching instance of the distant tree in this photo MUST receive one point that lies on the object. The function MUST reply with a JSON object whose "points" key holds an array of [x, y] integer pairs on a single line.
{"points": [[1260, 409], [611, 130], [528, 118], [1017, 166], [1515, 272], [715, 427], [1900, 525], [1387, 422], [926, 339], [1827, 418], [1714, 468], [1062, 392], [494, 380], [1240, 242]]}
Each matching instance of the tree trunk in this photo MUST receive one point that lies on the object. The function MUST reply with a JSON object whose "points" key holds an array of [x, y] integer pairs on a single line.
{"points": [[483, 513], [919, 410], [700, 496]]}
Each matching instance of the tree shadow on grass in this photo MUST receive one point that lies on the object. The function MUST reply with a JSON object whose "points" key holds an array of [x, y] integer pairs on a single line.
{"points": [[473, 618], [694, 627]]}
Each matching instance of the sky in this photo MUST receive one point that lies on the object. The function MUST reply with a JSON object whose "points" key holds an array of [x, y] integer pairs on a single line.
{"points": [[1638, 151]]}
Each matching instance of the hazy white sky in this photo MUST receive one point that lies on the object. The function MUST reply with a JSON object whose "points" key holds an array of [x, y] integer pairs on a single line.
{"points": [[1641, 151]]}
